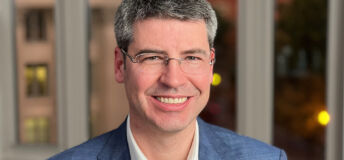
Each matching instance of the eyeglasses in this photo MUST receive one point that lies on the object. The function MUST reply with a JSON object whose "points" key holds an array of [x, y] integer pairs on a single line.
{"points": [[193, 63]]}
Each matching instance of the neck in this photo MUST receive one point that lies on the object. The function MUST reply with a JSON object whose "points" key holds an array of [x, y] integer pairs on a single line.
{"points": [[158, 144]]}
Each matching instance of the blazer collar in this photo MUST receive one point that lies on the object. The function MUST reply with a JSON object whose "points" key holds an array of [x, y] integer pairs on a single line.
{"points": [[210, 146], [117, 146]]}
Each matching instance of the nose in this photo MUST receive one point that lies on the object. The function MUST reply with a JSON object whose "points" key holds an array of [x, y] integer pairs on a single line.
{"points": [[173, 76]]}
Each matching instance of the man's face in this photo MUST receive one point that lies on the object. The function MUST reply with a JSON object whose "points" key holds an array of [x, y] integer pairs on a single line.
{"points": [[171, 99]]}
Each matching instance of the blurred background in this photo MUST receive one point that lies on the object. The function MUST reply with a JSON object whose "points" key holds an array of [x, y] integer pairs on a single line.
{"points": [[299, 109]]}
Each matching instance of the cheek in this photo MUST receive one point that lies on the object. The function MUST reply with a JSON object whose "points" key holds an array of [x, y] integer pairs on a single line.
{"points": [[202, 82], [139, 82]]}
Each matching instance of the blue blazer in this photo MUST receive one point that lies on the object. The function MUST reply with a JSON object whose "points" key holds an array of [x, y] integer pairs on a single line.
{"points": [[215, 143]]}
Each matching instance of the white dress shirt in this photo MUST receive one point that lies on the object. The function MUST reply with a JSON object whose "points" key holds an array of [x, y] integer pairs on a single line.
{"points": [[136, 153]]}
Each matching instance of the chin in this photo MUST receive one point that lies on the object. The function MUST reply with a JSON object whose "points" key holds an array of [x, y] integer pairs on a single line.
{"points": [[172, 124], [172, 128]]}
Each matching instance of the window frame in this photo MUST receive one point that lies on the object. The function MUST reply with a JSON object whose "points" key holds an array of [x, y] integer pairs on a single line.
{"points": [[255, 68], [72, 89], [72, 72], [335, 81]]}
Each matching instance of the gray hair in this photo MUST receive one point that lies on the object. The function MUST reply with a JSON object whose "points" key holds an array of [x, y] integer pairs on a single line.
{"points": [[131, 11]]}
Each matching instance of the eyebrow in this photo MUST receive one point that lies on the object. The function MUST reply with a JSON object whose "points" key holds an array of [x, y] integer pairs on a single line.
{"points": [[143, 51], [195, 51], [191, 51]]}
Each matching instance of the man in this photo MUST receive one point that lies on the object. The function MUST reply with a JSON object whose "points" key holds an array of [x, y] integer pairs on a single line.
{"points": [[165, 59]]}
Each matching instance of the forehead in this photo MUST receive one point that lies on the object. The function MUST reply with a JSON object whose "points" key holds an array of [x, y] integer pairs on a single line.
{"points": [[169, 35]]}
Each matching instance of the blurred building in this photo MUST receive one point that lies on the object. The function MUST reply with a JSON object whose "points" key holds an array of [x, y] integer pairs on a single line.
{"points": [[35, 43], [35, 53]]}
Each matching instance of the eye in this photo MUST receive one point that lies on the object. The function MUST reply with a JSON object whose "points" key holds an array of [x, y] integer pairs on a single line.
{"points": [[193, 58], [149, 58]]}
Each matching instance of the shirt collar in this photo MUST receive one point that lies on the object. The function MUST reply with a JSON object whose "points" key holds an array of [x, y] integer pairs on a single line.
{"points": [[136, 153]]}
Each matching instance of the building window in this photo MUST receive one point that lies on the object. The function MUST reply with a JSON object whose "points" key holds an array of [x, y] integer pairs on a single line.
{"points": [[300, 115], [35, 25], [36, 80], [221, 108], [36, 130]]}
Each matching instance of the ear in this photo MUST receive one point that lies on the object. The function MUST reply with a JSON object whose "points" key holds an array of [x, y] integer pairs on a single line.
{"points": [[119, 65], [212, 56]]}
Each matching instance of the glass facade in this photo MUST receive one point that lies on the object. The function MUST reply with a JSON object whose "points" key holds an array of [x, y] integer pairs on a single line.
{"points": [[300, 116]]}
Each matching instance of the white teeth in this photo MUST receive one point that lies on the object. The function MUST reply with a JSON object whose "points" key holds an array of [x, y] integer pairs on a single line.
{"points": [[171, 100]]}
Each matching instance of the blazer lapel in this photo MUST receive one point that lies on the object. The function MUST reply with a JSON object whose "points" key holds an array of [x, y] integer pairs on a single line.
{"points": [[207, 148], [116, 146]]}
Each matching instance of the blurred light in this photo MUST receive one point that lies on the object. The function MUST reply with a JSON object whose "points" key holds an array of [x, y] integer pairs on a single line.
{"points": [[42, 129], [41, 73], [216, 79], [29, 132], [29, 73], [323, 118]]}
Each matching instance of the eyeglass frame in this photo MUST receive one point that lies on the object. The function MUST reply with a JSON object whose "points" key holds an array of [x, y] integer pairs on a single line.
{"points": [[166, 60]]}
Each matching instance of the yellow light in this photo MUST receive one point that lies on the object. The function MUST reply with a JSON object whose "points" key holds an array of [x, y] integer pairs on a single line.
{"points": [[29, 131], [29, 123], [41, 73], [216, 79], [29, 73], [323, 118]]}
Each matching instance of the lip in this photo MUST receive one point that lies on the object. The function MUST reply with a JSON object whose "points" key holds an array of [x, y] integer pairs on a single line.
{"points": [[170, 107]]}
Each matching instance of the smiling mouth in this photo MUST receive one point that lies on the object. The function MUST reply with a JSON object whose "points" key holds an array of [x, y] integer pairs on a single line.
{"points": [[170, 100]]}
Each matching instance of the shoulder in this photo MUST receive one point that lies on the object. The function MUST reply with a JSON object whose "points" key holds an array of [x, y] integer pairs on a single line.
{"points": [[88, 149], [231, 144]]}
